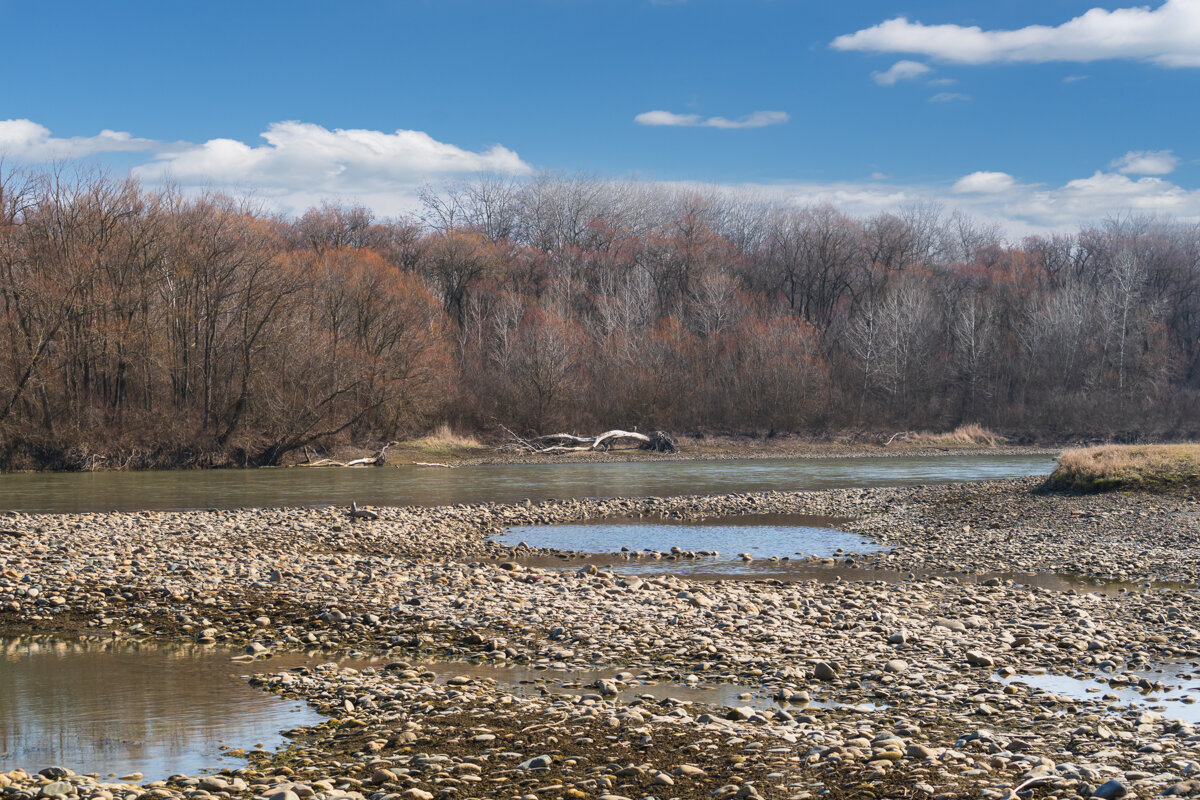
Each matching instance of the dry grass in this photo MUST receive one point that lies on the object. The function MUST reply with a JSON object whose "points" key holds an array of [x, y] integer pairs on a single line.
{"points": [[1156, 467], [444, 440], [968, 434]]}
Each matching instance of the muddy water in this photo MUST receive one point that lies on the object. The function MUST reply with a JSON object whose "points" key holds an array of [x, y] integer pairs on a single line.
{"points": [[124, 708], [506, 483]]}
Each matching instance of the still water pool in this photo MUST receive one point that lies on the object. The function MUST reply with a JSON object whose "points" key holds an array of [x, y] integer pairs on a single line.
{"points": [[120, 708]]}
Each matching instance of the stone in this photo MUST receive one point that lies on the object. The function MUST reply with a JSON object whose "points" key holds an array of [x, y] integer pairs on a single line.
{"points": [[1112, 790], [537, 762], [824, 671], [977, 659], [55, 773]]}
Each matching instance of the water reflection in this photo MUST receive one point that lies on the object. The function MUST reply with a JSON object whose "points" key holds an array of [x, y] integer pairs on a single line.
{"points": [[759, 537], [1175, 700], [119, 708], [782, 547]]}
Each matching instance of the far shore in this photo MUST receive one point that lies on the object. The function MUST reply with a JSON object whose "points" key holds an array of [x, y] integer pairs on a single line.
{"points": [[717, 448]]}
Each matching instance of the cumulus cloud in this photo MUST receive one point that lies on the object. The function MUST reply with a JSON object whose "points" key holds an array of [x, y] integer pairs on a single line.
{"points": [[25, 140], [300, 165], [984, 183], [901, 71], [298, 155], [1020, 208], [296, 165], [759, 119], [1168, 35], [1146, 162]]}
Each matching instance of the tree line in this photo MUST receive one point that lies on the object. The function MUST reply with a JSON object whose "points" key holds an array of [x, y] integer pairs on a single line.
{"points": [[152, 327]]}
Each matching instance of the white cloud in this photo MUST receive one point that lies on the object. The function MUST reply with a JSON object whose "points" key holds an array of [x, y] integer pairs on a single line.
{"points": [[1146, 162], [303, 156], [949, 97], [298, 164], [302, 165], [1168, 35], [900, 71], [759, 119], [1019, 208], [984, 183], [24, 140]]}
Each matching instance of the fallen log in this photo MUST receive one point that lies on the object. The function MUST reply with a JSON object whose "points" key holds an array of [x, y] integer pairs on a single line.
{"points": [[361, 513], [656, 441], [377, 460]]}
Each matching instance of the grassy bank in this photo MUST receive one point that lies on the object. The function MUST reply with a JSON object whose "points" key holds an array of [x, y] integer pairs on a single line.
{"points": [[1156, 468]]}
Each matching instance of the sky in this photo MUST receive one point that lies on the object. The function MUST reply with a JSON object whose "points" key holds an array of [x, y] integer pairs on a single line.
{"points": [[1040, 115]]}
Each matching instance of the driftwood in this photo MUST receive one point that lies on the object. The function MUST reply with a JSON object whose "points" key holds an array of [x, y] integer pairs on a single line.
{"points": [[656, 441], [361, 513], [376, 460]]}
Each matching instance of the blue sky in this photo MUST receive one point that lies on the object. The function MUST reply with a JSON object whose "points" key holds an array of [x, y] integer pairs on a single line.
{"points": [[984, 111]]}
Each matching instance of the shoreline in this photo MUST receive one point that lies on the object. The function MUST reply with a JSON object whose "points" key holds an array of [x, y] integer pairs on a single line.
{"points": [[721, 452], [423, 584]]}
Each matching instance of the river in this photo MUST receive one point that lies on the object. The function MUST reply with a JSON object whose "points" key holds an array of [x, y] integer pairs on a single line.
{"points": [[505, 483]]}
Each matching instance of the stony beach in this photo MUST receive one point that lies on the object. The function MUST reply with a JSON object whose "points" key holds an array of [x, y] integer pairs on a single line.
{"points": [[922, 686]]}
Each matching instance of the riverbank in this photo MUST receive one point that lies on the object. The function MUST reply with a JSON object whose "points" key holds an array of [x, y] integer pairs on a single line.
{"points": [[449, 454], [737, 449], [906, 688]]}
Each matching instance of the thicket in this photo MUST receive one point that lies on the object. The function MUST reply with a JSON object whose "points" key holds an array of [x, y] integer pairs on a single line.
{"points": [[151, 327]]}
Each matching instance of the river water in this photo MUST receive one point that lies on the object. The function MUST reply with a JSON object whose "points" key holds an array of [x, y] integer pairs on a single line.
{"points": [[505, 483]]}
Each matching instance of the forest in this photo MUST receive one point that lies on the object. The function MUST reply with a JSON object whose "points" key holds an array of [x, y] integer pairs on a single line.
{"points": [[153, 327]]}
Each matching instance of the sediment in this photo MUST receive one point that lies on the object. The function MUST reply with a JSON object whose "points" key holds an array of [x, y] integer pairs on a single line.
{"points": [[887, 689]]}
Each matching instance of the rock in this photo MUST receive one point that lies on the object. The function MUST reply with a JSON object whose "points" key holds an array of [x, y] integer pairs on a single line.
{"points": [[537, 762], [382, 776], [823, 671], [1111, 790], [55, 773], [896, 665], [56, 789], [977, 659]]}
